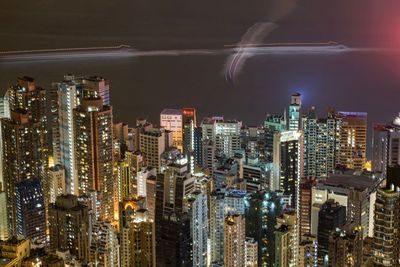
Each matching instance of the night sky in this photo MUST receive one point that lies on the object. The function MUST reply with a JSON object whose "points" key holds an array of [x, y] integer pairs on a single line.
{"points": [[142, 87]]}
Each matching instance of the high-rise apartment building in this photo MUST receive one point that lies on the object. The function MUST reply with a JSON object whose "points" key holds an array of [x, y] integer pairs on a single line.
{"points": [[234, 240], [94, 152], [386, 146], [70, 224], [65, 96], [153, 142], [288, 164], [250, 252], [346, 246], [104, 247], [199, 221], [261, 211], [321, 143], [305, 207], [30, 211], [171, 224], [287, 239], [353, 139], [386, 244], [331, 216], [225, 134], [24, 143]]}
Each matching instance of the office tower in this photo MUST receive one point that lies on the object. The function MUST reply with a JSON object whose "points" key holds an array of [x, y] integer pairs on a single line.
{"points": [[356, 192], [13, 251], [250, 252], [353, 137], [286, 239], [234, 240], [171, 120], [308, 251], [25, 152], [346, 246], [69, 225], [199, 221], [3, 216], [386, 146], [57, 182], [30, 211], [331, 216], [94, 152], [171, 231], [104, 247], [262, 209], [386, 244], [288, 164], [272, 124], [295, 113], [153, 142], [321, 143], [306, 186]]}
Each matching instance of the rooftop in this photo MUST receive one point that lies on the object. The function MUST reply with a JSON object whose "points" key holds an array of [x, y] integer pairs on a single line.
{"points": [[358, 182], [170, 111]]}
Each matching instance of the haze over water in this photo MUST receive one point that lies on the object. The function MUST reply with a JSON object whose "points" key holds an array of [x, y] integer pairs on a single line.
{"points": [[143, 86]]}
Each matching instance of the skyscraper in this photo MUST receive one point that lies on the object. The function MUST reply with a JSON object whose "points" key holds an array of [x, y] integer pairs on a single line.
{"points": [[234, 240], [346, 246], [286, 239], [69, 223], [104, 247], [295, 113], [262, 208], [251, 252], [153, 142], [142, 242], [305, 207], [321, 143], [171, 223], [386, 244], [288, 164], [353, 136], [171, 120], [94, 152], [272, 124], [30, 212], [386, 146], [331, 216], [199, 221], [25, 152], [225, 134], [65, 97]]}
